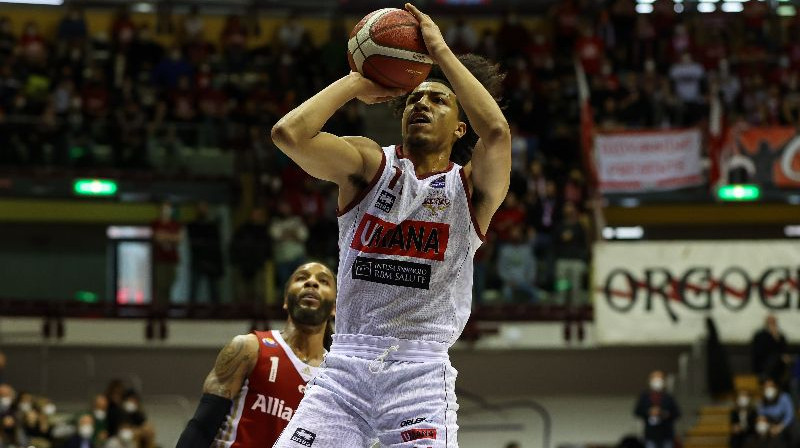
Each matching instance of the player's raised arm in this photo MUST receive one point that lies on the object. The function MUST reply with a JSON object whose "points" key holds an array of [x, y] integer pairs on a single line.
{"points": [[491, 159], [327, 156], [234, 363]]}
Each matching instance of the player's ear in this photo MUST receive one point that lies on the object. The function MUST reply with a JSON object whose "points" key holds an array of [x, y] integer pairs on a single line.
{"points": [[460, 130]]}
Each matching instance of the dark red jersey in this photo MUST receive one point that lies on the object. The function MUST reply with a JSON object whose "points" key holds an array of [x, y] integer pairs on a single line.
{"points": [[268, 398]]}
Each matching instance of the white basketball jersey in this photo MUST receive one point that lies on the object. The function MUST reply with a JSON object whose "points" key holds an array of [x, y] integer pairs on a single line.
{"points": [[406, 246]]}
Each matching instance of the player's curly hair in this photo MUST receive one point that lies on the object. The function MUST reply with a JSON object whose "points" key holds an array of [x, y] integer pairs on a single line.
{"points": [[488, 74]]}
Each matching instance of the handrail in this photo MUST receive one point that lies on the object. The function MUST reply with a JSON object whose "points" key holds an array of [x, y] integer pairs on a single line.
{"points": [[485, 405], [70, 308]]}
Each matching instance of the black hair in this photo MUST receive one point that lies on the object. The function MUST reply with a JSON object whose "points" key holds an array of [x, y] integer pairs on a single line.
{"points": [[488, 74], [289, 280]]}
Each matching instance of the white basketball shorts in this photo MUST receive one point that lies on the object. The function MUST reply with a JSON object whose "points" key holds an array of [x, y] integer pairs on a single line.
{"points": [[398, 392]]}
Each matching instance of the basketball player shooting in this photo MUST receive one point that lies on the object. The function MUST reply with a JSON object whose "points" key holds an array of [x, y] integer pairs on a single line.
{"points": [[410, 221], [259, 378]]}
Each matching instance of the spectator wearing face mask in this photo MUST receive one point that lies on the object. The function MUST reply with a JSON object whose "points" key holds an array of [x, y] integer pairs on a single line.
{"points": [[763, 437], [84, 438], [47, 407], [743, 420], [133, 414], [126, 437], [7, 395], [100, 414], [777, 407], [131, 406], [767, 346], [659, 411]]}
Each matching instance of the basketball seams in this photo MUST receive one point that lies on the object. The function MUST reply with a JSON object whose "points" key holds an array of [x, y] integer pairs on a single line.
{"points": [[365, 35], [396, 53], [391, 28], [365, 44]]}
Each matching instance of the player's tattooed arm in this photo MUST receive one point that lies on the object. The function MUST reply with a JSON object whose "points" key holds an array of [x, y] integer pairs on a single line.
{"points": [[234, 363]]}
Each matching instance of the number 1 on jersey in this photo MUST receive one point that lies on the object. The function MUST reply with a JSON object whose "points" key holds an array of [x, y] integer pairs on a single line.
{"points": [[273, 370]]}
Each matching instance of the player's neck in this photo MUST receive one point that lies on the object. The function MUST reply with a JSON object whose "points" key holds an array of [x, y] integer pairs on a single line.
{"points": [[305, 341], [425, 160]]}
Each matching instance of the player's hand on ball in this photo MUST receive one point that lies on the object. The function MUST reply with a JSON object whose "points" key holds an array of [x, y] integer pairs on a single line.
{"points": [[371, 92], [431, 33]]}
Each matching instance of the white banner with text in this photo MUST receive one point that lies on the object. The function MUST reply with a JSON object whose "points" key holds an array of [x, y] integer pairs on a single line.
{"points": [[648, 161], [661, 292]]}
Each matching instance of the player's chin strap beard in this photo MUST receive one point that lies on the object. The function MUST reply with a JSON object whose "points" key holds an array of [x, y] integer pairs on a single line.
{"points": [[377, 364]]}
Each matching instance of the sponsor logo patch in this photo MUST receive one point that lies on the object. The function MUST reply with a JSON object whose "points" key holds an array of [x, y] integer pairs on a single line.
{"points": [[392, 272], [411, 421], [269, 342], [435, 203], [273, 406], [385, 201], [418, 239], [418, 433], [303, 437], [438, 182]]}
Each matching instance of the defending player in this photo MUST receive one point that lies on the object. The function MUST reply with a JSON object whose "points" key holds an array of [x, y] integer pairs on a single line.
{"points": [[259, 378], [410, 222]]}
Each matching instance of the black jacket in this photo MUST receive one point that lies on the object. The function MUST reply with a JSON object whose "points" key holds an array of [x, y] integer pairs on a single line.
{"points": [[664, 428], [75, 442], [750, 422], [765, 348]]}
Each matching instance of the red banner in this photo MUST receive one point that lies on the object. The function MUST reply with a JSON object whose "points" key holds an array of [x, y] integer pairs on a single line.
{"points": [[768, 156]]}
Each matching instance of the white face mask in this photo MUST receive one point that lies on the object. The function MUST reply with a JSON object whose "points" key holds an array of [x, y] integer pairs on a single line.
{"points": [[25, 406], [49, 409], [762, 427], [130, 406], [126, 434], [86, 431], [657, 384], [99, 414], [743, 401], [770, 393], [5, 402]]}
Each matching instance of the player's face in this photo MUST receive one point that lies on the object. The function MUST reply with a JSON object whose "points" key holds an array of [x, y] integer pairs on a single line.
{"points": [[311, 294], [430, 117]]}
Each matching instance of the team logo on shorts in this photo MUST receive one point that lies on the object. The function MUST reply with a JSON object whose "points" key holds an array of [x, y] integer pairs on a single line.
{"points": [[269, 342], [303, 437], [418, 433], [438, 183], [411, 421]]}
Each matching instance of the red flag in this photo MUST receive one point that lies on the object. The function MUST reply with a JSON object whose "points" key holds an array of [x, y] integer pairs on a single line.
{"points": [[587, 126]]}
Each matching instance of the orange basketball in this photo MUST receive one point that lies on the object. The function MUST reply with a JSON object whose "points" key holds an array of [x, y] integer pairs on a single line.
{"points": [[386, 46]]}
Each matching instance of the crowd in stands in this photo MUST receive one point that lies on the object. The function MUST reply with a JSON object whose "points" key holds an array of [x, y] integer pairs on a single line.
{"points": [[114, 419], [763, 414], [64, 93], [769, 417]]}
